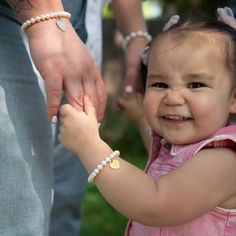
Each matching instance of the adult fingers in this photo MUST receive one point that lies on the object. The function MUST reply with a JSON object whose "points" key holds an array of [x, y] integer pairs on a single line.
{"points": [[89, 106], [130, 82], [89, 86], [132, 64], [53, 88], [101, 96], [74, 93]]}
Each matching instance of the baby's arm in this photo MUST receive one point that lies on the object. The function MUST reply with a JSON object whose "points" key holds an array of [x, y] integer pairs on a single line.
{"points": [[200, 184], [132, 107]]}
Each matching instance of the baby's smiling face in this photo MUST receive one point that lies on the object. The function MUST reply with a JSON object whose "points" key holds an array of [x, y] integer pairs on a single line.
{"points": [[189, 90]]}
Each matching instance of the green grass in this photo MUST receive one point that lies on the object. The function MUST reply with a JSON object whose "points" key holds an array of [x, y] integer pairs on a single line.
{"points": [[99, 217]]}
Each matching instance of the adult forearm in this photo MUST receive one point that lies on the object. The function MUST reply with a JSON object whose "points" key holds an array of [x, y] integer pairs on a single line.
{"points": [[128, 15], [26, 9]]}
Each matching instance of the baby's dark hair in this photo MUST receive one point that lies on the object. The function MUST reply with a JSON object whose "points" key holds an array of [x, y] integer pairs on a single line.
{"points": [[192, 26]]}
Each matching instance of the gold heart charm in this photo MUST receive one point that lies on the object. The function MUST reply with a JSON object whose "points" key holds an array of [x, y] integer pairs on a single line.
{"points": [[115, 164], [61, 24]]}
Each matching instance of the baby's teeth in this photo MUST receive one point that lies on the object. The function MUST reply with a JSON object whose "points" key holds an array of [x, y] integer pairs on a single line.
{"points": [[175, 117]]}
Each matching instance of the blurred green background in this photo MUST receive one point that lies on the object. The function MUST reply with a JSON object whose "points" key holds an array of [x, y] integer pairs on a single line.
{"points": [[99, 218]]}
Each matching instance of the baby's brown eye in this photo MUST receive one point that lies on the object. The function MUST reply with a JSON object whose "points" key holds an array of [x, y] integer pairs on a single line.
{"points": [[160, 85], [196, 85]]}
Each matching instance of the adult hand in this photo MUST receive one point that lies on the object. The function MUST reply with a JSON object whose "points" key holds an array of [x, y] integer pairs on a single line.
{"points": [[65, 64], [133, 55]]}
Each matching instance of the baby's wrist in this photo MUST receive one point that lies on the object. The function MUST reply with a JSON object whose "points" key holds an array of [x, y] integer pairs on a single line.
{"points": [[93, 155], [91, 149]]}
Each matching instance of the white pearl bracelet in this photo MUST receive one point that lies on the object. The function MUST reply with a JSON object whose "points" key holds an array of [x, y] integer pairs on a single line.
{"points": [[114, 164], [47, 16], [133, 35]]}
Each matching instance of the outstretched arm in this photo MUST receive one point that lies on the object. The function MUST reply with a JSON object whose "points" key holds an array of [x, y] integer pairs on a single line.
{"points": [[197, 186], [61, 58]]}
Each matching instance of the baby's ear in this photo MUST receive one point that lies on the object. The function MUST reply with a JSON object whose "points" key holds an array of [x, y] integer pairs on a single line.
{"points": [[233, 102]]}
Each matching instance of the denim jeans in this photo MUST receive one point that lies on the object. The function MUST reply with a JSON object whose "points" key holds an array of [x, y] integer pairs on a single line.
{"points": [[25, 141], [70, 177], [70, 181]]}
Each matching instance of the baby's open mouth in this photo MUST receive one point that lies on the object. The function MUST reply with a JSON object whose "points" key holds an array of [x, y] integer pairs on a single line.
{"points": [[176, 117]]}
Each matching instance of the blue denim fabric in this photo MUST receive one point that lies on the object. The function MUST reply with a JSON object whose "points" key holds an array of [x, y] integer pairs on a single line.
{"points": [[77, 10], [25, 141], [70, 177], [70, 183]]}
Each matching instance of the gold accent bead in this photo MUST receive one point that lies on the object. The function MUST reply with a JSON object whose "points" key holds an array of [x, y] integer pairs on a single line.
{"points": [[115, 164]]}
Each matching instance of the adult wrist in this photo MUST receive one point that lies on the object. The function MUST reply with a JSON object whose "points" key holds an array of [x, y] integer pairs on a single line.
{"points": [[142, 36], [137, 41], [47, 28], [59, 18]]}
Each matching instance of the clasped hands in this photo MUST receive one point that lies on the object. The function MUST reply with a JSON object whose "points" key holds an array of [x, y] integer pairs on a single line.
{"points": [[66, 65], [79, 130]]}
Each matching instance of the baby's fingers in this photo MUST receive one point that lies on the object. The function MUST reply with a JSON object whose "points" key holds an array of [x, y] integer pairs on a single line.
{"points": [[66, 109], [89, 107]]}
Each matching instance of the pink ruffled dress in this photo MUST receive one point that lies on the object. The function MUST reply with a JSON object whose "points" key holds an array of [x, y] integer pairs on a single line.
{"points": [[165, 158]]}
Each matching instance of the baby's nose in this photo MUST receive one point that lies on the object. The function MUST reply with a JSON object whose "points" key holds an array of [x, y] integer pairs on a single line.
{"points": [[174, 97]]}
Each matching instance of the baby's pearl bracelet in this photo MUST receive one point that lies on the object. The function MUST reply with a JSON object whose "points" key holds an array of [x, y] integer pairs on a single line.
{"points": [[114, 164], [48, 16], [133, 35]]}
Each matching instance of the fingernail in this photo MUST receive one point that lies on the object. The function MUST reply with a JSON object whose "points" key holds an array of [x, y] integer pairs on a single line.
{"points": [[54, 119], [86, 96], [99, 124], [128, 89]]}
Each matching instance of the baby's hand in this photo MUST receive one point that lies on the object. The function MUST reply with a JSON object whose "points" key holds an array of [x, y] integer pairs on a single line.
{"points": [[79, 129], [131, 106]]}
